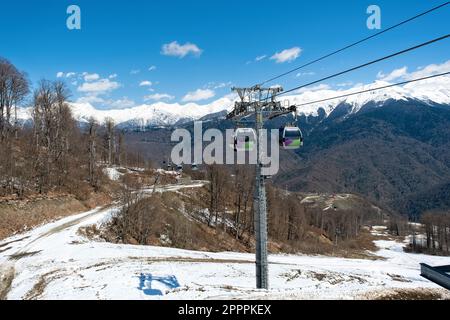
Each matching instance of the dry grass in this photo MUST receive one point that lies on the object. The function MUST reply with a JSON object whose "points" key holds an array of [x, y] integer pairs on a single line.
{"points": [[168, 225], [89, 232], [409, 294], [362, 247], [179, 221], [192, 260], [21, 215], [332, 278]]}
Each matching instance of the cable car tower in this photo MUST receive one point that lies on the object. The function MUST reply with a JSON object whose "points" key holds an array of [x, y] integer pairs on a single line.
{"points": [[259, 103]]}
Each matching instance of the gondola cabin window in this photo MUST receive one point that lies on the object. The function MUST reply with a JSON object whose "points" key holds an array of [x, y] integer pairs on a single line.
{"points": [[244, 139], [291, 138]]}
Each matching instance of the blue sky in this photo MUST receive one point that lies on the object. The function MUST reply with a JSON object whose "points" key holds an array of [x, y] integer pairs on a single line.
{"points": [[220, 39]]}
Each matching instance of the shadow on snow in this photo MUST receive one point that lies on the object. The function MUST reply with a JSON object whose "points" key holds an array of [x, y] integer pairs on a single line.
{"points": [[146, 282]]}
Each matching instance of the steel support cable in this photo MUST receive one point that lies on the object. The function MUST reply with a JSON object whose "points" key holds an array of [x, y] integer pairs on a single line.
{"points": [[362, 65], [356, 43], [373, 89]]}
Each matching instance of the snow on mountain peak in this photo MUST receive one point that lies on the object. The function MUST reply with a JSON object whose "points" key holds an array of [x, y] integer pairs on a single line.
{"points": [[431, 91], [435, 90], [159, 113]]}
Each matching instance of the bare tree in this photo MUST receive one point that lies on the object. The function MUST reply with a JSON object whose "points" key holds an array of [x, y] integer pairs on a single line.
{"points": [[43, 118], [92, 127], [51, 155], [13, 90], [53, 129], [218, 179], [121, 152], [437, 230], [110, 139], [242, 193]]}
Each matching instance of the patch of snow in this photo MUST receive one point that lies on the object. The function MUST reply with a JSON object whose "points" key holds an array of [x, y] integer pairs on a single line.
{"points": [[72, 267], [112, 173], [165, 172]]}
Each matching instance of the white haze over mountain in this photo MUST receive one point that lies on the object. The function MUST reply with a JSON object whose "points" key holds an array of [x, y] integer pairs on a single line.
{"points": [[432, 91]]}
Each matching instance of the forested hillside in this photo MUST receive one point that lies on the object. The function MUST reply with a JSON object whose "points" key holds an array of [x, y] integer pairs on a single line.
{"points": [[53, 153]]}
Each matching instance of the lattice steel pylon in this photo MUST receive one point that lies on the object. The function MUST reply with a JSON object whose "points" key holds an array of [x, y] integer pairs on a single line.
{"points": [[252, 104]]}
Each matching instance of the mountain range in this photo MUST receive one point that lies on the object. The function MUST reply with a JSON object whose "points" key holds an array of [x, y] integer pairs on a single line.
{"points": [[391, 146], [432, 92], [396, 154]]}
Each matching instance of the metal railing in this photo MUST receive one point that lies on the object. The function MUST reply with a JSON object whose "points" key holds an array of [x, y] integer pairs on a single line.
{"points": [[439, 275]]}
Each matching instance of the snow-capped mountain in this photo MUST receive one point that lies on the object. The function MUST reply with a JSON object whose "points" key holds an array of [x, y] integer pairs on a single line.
{"points": [[158, 114], [154, 115], [432, 92]]}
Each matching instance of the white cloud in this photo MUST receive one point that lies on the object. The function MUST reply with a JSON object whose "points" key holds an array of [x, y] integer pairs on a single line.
{"points": [[145, 83], [287, 55], [123, 103], [303, 74], [198, 95], [174, 49], [66, 75], [135, 71], [99, 87], [113, 76], [314, 88], [429, 70], [91, 98], [358, 85], [91, 76], [152, 68], [220, 85], [395, 74], [259, 58], [345, 84], [158, 97], [403, 74], [231, 96]]}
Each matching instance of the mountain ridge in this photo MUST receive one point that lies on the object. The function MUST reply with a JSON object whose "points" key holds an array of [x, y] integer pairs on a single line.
{"points": [[392, 155], [430, 92]]}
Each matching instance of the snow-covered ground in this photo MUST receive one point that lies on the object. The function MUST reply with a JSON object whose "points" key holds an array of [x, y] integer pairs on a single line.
{"points": [[113, 173], [55, 262]]}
